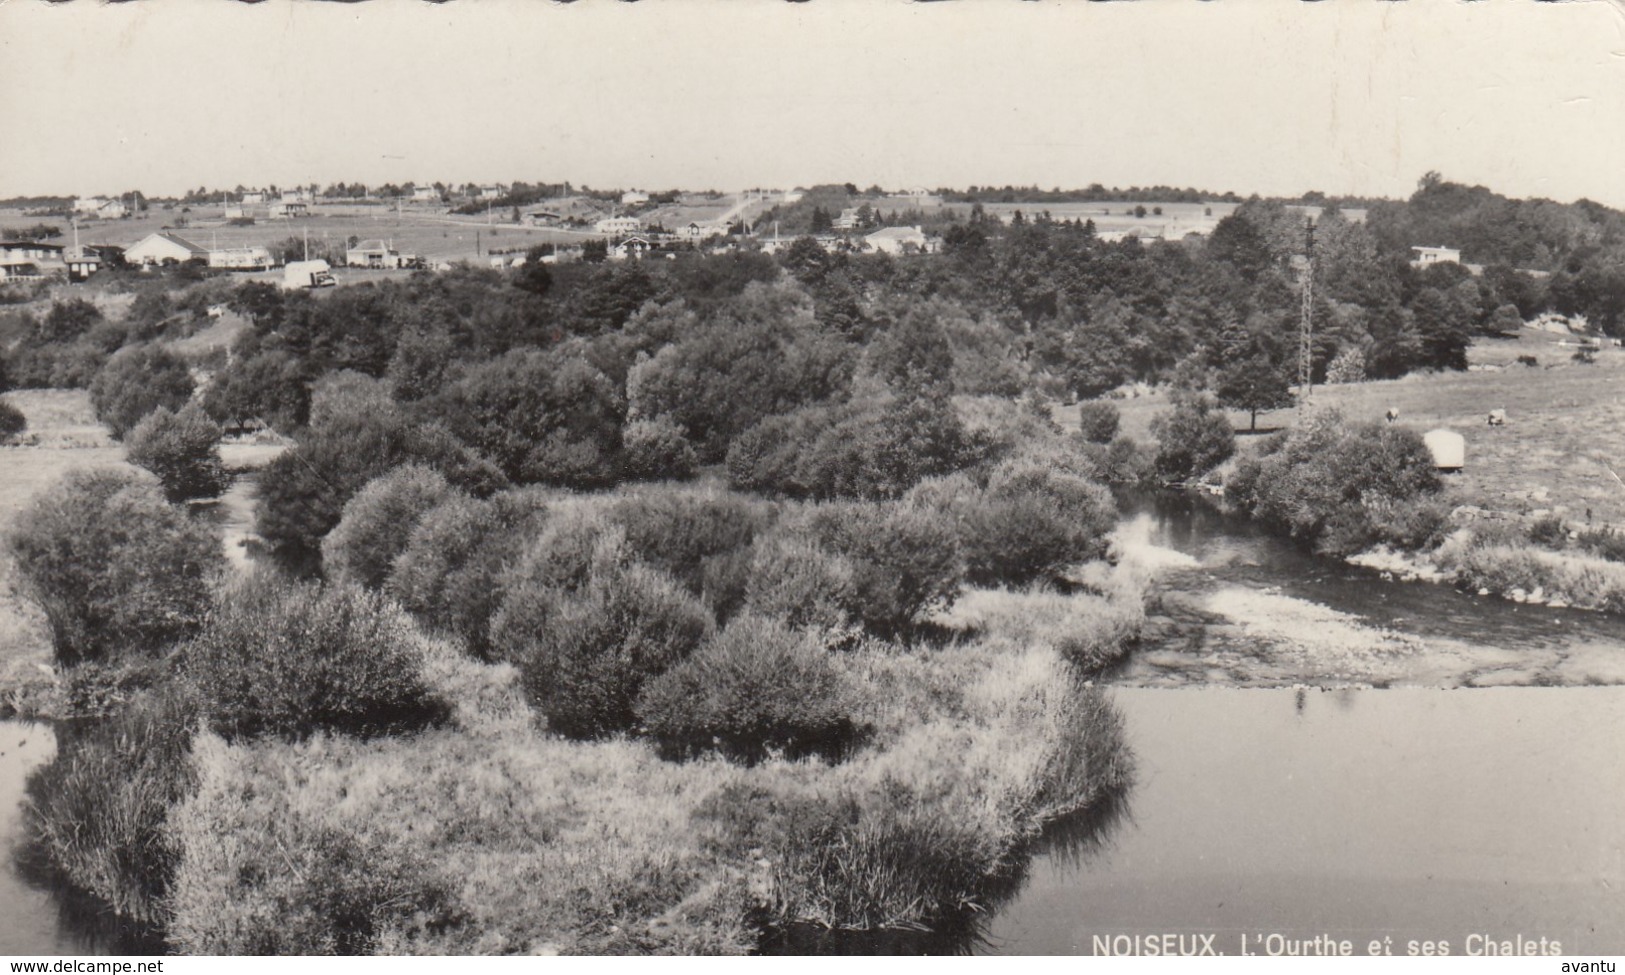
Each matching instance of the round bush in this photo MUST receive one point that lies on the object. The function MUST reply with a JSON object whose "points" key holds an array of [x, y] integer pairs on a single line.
{"points": [[682, 533], [377, 524], [655, 450], [116, 569], [182, 450], [1032, 522], [906, 561], [1097, 421], [288, 659], [1192, 439], [793, 580], [585, 669], [757, 687], [136, 381], [12, 422], [451, 574]]}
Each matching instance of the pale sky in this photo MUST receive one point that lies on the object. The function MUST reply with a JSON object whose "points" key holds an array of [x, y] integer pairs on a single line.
{"points": [[1267, 96]]}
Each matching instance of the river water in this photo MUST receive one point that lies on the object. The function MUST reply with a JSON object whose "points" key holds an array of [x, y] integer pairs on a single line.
{"points": [[1374, 788]]}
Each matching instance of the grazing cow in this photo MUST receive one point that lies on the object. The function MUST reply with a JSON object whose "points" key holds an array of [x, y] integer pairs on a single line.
{"points": [[1498, 418], [1393, 414]]}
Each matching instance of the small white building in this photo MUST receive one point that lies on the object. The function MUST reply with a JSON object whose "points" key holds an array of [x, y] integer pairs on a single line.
{"points": [[898, 240], [235, 211], [1428, 256], [633, 198], [112, 210], [241, 258], [288, 210], [164, 248], [374, 254], [253, 198], [88, 204], [615, 226], [307, 274], [848, 220], [425, 194], [490, 192]]}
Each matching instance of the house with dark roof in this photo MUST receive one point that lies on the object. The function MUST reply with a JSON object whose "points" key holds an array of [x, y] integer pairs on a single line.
{"points": [[29, 259]]}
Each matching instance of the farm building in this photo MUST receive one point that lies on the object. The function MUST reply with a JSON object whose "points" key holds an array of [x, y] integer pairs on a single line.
{"points": [[1427, 256], [898, 240], [29, 259], [544, 218], [164, 248], [618, 225]]}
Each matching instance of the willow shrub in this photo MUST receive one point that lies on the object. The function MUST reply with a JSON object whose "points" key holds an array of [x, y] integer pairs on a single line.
{"points": [[119, 572], [288, 659], [756, 688]]}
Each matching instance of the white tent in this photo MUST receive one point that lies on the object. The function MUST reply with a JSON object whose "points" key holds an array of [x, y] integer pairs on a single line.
{"points": [[1448, 447]]}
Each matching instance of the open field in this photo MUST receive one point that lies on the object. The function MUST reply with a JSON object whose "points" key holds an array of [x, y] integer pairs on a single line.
{"points": [[1562, 434], [429, 233]]}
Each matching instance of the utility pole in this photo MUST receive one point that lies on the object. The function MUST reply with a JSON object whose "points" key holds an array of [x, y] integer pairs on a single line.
{"points": [[1306, 326]]}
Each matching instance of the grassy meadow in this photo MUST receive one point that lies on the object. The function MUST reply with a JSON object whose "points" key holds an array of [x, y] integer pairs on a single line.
{"points": [[1553, 456]]}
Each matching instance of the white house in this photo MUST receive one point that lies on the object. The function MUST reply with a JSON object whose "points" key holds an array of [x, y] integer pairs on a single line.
{"points": [[112, 210], [253, 197], [633, 198], [88, 204], [848, 220], [490, 192], [373, 253], [287, 210], [898, 240], [615, 226], [235, 211], [425, 194], [1427, 256], [164, 248]]}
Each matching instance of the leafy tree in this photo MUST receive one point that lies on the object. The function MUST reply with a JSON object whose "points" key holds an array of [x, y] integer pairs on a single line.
{"points": [[12, 422], [1255, 375], [182, 449], [1192, 439], [137, 381]]}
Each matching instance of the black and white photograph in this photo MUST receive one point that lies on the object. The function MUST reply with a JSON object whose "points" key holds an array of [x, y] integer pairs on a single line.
{"points": [[847, 477]]}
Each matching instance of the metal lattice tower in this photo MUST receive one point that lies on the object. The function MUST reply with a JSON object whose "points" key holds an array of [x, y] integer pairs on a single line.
{"points": [[1306, 325]]}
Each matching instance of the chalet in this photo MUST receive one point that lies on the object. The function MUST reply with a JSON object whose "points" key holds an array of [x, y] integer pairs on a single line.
{"points": [[899, 240], [30, 259], [615, 226], [1429, 256], [164, 248], [633, 247]]}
